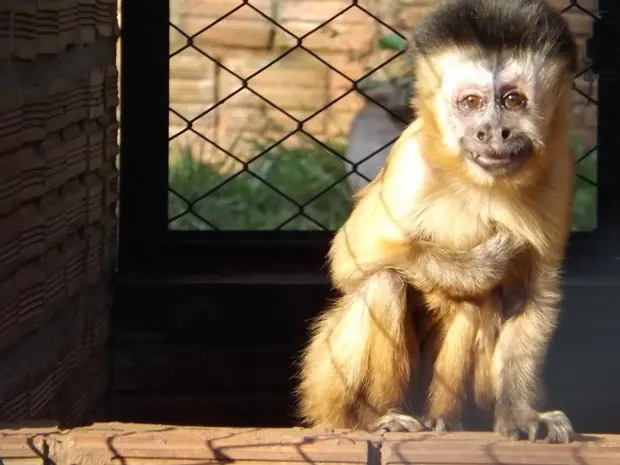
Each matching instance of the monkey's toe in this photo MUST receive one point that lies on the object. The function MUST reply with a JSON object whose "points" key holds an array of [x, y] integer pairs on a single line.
{"points": [[395, 422]]}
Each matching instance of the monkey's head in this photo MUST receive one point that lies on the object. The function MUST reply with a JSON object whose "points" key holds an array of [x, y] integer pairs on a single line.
{"points": [[493, 80]]}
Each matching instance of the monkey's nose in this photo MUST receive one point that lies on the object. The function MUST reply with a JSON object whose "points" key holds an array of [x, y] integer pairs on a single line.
{"points": [[484, 135]]}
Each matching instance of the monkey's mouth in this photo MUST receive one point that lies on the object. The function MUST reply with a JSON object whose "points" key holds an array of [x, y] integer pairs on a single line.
{"points": [[500, 161]]}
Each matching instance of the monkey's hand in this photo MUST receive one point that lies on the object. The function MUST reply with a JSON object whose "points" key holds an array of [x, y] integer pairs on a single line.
{"points": [[462, 273], [395, 422], [514, 422]]}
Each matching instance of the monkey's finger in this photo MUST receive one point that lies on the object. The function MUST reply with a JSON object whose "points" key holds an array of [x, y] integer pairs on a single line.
{"points": [[560, 429], [532, 431], [396, 422], [510, 431], [440, 426], [559, 434]]}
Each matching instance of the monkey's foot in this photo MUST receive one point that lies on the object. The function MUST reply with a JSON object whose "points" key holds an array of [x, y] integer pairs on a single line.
{"points": [[394, 422], [513, 423], [441, 425]]}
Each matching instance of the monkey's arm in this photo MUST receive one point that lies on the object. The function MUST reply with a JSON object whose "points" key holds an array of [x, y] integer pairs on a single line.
{"points": [[517, 362], [427, 266], [464, 272]]}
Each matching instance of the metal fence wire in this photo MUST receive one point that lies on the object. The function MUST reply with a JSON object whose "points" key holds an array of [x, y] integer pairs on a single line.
{"points": [[586, 74]]}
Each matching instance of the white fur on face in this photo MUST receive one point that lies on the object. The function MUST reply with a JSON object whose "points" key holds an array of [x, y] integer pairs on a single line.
{"points": [[461, 74], [457, 74]]}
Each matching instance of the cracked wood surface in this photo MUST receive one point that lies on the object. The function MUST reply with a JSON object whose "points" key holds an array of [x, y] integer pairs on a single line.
{"points": [[127, 444]]}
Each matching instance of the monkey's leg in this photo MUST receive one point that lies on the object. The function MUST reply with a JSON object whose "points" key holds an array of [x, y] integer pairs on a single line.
{"points": [[517, 361], [454, 358], [357, 365]]}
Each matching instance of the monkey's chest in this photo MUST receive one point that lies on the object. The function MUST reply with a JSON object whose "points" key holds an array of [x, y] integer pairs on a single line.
{"points": [[456, 225]]}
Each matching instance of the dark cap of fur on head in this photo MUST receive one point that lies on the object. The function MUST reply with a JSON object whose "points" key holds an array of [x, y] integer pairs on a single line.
{"points": [[496, 26]]}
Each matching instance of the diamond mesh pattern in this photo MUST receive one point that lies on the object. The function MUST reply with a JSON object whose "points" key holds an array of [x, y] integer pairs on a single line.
{"points": [[254, 174]]}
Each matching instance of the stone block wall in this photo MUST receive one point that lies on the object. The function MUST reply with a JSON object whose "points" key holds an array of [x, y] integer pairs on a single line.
{"points": [[58, 190]]}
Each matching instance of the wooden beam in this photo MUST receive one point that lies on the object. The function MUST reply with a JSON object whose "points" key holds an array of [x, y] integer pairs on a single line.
{"points": [[133, 444]]}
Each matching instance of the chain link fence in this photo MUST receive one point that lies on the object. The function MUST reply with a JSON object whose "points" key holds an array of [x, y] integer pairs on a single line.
{"points": [[242, 159]]}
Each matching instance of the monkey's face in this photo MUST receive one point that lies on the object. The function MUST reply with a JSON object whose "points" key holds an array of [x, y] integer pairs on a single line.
{"points": [[488, 122], [491, 111]]}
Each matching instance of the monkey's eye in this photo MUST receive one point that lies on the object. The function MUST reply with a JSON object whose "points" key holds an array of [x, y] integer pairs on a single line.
{"points": [[514, 101], [472, 102]]}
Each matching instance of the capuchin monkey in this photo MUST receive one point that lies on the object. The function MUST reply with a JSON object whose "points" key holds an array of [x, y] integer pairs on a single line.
{"points": [[453, 253]]}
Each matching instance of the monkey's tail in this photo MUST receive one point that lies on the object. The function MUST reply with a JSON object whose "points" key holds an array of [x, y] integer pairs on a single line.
{"points": [[357, 364]]}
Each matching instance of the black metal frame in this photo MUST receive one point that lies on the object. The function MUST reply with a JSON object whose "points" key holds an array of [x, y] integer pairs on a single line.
{"points": [[149, 249]]}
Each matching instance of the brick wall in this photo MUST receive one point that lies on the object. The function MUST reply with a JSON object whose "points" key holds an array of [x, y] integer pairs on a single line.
{"points": [[58, 127], [245, 41]]}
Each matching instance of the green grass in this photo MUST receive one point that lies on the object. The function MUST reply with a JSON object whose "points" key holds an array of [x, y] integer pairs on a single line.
{"points": [[299, 172], [247, 203]]}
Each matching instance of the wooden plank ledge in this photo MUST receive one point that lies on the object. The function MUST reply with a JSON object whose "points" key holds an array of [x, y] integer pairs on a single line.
{"points": [[139, 444]]}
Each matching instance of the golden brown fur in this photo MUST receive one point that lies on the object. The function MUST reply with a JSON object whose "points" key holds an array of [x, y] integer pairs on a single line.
{"points": [[464, 240]]}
